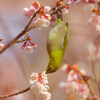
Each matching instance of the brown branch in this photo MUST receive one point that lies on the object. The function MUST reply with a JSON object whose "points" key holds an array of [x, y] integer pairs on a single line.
{"points": [[22, 40], [17, 93], [57, 9], [98, 7], [31, 27], [13, 41], [1, 39], [27, 28], [86, 78]]}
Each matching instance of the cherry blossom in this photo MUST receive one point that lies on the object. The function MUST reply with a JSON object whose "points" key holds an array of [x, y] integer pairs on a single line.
{"points": [[42, 21], [28, 12], [74, 81], [94, 21], [81, 1], [65, 10], [47, 9], [41, 78], [28, 46], [39, 86]]}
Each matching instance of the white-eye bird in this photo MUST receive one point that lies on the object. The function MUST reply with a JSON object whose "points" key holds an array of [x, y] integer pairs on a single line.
{"points": [[56, 45]]}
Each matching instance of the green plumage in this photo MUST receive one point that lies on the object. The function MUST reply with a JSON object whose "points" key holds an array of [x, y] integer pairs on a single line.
{"points": [[56, 45]]}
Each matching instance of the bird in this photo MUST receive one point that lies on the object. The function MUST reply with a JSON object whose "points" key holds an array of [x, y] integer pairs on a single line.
{"points": [[56, 45]]}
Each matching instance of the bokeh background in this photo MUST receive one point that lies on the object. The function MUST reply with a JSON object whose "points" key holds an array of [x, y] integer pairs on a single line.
{"points": [[16, 66]]}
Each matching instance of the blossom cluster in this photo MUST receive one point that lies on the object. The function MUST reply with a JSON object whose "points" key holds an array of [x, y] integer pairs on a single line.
{"points": [[94, 21], [39, 86], [28, 46], [74, 82], [28, 12], [43, 18], [82, 1]]}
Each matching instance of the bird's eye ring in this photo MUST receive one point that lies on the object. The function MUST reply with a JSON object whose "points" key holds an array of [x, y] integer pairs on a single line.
{"points": [[50, 68]]}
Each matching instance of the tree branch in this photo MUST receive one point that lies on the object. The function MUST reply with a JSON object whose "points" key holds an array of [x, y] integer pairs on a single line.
{"points": [[13, 94], [13, 41], [27, 28]]}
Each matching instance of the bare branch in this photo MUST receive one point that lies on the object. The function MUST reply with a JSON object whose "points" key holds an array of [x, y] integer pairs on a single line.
{"points": [[13, 94]]}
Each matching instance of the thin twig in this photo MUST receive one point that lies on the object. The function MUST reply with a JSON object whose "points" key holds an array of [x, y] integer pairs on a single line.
{"points": [[24, 39], [94, 66], [57, 9], [27, 28], [13, 41], [86, 78], [91, 91], [13, 94], [98, 6], [31, 27]]}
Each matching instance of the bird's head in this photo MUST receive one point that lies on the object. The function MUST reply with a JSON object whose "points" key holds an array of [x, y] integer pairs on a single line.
{"points": [[51, 69]]}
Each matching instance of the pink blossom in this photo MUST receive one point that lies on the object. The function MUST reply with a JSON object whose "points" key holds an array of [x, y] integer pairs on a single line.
{"points": [[82, 1], [36, 5], [47, 8], [1, 45], [39, 86], [43, 21], [28, 46], [88, 1], [34, 76], [41, 78], [28, 12], [74, 81], [84, 90], [94, 21], [65, 10]]}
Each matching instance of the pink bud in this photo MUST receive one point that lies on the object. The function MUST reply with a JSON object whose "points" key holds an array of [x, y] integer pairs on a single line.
{"points": [[47, 8], [36, 5], [28, 12]]}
